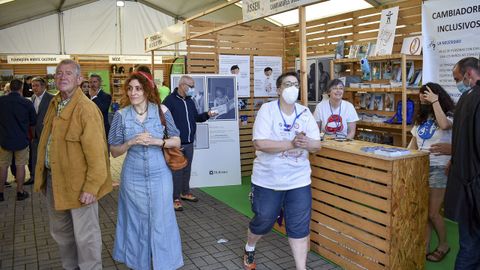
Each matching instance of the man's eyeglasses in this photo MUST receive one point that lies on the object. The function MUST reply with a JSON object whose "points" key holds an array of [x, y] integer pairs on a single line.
{"points": [[290, 84]]}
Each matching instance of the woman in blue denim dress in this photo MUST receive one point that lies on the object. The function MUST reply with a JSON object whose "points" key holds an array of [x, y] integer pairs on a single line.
{"points": [[433, 124], [147, 232]]}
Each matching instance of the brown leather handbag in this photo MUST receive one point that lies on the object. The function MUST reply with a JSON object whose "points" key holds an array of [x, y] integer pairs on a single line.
{"points": [[173, 156]]}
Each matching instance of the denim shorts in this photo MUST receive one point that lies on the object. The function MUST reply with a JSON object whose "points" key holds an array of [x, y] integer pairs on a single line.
{"points": [[437, 177], [296, 205]]}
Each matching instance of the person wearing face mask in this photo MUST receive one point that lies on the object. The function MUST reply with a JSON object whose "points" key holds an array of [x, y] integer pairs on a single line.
{"points": [[284, 133], [185, 114], [462, 196], [335, 116], [433, 124]]}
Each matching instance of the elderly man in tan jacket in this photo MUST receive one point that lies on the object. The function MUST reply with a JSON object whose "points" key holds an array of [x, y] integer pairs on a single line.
{"points": [[73, 170]]}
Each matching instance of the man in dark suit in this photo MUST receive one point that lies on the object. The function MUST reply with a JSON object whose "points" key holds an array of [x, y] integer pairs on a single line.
{"points": [[17, 116], [102, 99], [41, 99]]}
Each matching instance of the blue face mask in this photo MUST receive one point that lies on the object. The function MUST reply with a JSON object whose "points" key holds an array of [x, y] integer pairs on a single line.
{"points": [[463, 87], [191, 92]]}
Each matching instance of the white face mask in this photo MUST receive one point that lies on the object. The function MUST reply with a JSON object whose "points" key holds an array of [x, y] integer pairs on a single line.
{"points": [[290, 94], [191, 92]]}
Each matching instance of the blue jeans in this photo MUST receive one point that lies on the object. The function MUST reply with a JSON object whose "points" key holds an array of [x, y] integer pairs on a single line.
{"points": [[296, 204], [468, 257], [181, 178]]}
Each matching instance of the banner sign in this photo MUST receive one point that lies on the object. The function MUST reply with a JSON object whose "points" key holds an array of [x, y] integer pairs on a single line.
{"points": [[168, 36], [255, 9], [133, 59], [386, 33], [450, 33], [36, 59]]}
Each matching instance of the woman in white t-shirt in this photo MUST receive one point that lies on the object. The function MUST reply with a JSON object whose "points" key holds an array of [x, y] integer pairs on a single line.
{"points": [[335, 116], [433, 124], [284, 133]]}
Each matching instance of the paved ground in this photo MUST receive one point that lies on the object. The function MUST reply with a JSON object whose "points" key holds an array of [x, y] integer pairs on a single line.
{"points": [[25, 242]]}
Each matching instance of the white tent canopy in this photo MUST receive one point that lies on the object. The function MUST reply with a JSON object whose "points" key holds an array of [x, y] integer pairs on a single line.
{"points": [[100, 27], [96, 28]]}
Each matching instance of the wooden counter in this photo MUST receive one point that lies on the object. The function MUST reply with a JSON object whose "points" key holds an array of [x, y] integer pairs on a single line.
{"points": [[369, 211]]}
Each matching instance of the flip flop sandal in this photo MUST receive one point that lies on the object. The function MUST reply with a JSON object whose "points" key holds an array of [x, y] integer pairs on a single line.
{"points": [[437, 255]]}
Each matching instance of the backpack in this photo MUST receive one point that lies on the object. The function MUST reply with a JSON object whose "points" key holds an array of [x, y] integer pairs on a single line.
{"points": [[397, 118]]}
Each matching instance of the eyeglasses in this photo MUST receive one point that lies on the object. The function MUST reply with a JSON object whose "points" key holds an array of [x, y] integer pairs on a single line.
{"points": [[290, 84]]}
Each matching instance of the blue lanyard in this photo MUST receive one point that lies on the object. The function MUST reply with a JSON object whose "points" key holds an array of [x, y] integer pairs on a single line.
{"points": [[287, 126], [337, 123]]}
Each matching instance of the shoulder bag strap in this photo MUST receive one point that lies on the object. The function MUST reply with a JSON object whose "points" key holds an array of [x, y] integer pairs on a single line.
{"points": [[163, 120]]}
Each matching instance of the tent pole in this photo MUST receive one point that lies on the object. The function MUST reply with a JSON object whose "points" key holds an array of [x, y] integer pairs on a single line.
{"points": [[152, 67], [303, 54]]}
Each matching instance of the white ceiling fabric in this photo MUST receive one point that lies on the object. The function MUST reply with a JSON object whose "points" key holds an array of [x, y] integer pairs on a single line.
{"points": [[88, 29], [37, 36], [91, 29], [140, 21]]}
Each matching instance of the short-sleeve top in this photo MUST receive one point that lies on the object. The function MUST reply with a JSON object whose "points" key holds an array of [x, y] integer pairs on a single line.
{"points": [[335, 121], [428, 133], [288, 169], [125, 126]]}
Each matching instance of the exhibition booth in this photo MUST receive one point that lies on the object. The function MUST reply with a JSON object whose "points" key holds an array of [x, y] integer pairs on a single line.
{"points": [[369, 205]]}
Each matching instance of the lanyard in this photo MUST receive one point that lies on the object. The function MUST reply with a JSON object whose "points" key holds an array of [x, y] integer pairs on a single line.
{"points": [[337, 119], [287, 126]]}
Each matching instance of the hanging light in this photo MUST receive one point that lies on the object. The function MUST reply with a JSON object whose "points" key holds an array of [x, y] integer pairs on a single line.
{"points": [[120, 3]]}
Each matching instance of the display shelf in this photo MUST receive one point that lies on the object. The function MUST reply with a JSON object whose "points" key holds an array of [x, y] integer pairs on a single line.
{"points": [[398, 90], [397, 56], [383, 125], [382, 112], [353, 69]]}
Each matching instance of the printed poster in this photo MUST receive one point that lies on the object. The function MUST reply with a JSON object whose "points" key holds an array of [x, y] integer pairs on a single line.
{"points": [[217, 143], [238, 65], [450, 33], [266, 70], [386, 33]]}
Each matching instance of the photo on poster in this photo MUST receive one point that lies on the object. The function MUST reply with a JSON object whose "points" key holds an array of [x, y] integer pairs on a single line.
{"points": [[202, 139], [265, 73], [221, 97], [199, 98], [238, 65], [323, 65], [318, 76]]}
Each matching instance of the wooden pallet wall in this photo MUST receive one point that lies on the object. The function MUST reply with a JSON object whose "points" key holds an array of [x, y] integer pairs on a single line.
{"points": [[203, 54], [354, 27]]}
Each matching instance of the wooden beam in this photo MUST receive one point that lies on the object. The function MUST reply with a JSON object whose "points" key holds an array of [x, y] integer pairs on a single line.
{"points": [[208, 11], [303, 54]]}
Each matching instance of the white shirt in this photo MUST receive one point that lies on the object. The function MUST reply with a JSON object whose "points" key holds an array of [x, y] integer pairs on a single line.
{"points": [[335, 121], [269, 85], [96, 93], [432, 134], [37, 100], [288, 169]]}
